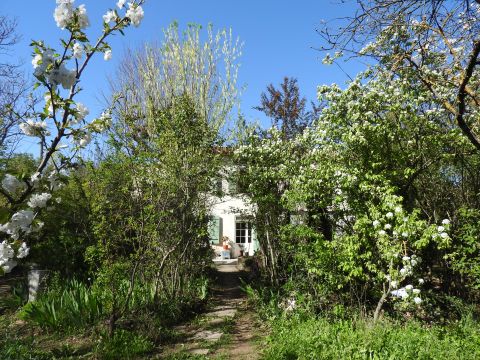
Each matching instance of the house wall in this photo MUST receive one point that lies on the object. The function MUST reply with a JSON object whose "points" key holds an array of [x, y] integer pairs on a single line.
{"points": [[228, 208]]}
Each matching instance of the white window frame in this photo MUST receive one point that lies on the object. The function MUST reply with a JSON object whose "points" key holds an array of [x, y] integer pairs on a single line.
{"points": [[244, 233]]}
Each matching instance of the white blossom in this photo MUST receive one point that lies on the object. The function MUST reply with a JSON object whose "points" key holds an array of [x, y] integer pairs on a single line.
{"points": [[6, 252], [445, 221], [34, 128], [416, 291], [22, 219], [41, 62], [39, 200], [109, 17], [61, 75], [401, 293], [376, 223], [417, 300], [78, 50], [389, 215], [84, 140], [37, 60], [441, 229], [108, 55], [35, 178], [327, 60], [382, 232], [12, 184], [63, 13], [135, 14], [421, 281], [121, 3], [23, 251], [409, 287], [83, 21], [54, 181], [444, 235], [82, 112], [387, 226]]}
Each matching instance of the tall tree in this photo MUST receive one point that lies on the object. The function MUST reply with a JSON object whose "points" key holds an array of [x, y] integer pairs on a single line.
{"points": [[435, 41], [287, 108]]}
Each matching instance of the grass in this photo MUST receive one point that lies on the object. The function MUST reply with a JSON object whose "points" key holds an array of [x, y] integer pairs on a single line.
{"points": [[347, 339]]}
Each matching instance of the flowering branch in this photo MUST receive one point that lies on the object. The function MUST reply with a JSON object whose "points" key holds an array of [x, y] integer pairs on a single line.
{"points": [[51, 72]]}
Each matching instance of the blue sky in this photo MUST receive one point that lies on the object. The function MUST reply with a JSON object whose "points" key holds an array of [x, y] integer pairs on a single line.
{"points": [[279, 37]]}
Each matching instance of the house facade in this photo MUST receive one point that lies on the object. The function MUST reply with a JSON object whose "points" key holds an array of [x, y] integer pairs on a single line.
{"points": [[231, 213]]}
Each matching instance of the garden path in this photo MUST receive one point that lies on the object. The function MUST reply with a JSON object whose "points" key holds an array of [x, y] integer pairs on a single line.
{"points": [[227, 329]]}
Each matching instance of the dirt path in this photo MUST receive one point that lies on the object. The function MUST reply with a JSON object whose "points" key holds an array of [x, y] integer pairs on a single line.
{"points": [[227, 330]]}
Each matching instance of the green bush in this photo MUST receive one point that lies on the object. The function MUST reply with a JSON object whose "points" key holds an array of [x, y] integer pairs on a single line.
{"points": [[75, 306], [350, 339]]}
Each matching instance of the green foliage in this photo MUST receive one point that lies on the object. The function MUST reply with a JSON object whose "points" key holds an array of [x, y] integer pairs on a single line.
{"points": [[67, 232], [123, 345], [73, 307], [357, 339], [464, 253], [11, 349]]}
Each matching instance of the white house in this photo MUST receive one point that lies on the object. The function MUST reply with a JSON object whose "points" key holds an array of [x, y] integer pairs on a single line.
{"points": [[230, 213]]}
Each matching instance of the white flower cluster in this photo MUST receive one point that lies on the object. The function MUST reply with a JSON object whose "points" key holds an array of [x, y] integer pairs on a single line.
{"points": [[109, 17], [6, 257], [134, 13], [41, 61], [12, 184], [409, 293], [83, 140], [442, 230], [54, 181], [7, 254], [39, 200], [64, 14], [62, 76], [102, 123], [78, 50], [409, 262], [81, 113], [59, 74], [34, 128], [20, 221]]}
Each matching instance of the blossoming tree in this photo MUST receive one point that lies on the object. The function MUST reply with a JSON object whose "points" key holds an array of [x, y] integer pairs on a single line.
{"points": [[62, 118]]}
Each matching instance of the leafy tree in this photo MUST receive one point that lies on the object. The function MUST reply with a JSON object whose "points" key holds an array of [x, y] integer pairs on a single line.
{"points": [[435, 42], [287, 108]]}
